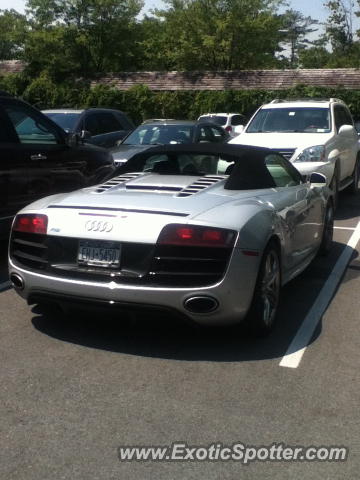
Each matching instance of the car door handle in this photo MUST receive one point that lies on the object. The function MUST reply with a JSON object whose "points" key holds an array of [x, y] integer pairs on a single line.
{"points": [[38, 156]]}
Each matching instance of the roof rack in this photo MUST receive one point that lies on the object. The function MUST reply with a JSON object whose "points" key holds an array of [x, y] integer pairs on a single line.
{"points": [[307, 99]]}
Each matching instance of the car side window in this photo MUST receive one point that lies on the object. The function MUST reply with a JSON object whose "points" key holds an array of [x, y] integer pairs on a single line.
{"points": [[218, 135], [92, 124], [29, 128], [347, 117], [342, 117], [206, 135], [283, 174], [238, 120], [108, 123]]}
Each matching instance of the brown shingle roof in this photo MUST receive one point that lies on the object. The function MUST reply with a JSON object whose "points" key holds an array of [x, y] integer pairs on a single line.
{"points": [[11, 66], [235, 80]]}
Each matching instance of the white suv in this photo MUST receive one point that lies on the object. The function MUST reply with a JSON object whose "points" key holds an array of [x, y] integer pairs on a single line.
{"points": [[229, 121], [316, 135]]}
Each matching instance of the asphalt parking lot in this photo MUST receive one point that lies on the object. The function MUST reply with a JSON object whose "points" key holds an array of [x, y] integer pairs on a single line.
{"points": [[74, 389]]}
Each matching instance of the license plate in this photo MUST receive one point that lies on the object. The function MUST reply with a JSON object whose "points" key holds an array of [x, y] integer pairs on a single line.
{"points": [[101, 254]]}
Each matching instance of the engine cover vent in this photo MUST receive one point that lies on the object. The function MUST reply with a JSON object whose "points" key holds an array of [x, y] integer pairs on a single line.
{"points": [[114, 182], [200, 184]]}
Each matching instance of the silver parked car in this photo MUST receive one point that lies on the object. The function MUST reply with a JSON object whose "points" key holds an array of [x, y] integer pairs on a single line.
{"points": [[210, 231]]}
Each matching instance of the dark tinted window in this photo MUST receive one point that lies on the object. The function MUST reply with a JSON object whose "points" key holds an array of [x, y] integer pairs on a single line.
{"points": [[238, 120], [65, 120], [91, 124], [206, 134], [342, 117], [7, 133], [29, 127], [108, 122], [124, 121]]}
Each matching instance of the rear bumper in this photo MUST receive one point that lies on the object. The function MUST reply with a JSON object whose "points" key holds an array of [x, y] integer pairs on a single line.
{"points": [[232, 295]]}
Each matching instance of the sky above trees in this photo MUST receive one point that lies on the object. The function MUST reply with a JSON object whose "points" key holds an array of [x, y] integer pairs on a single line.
{"points": [[312, 8]]}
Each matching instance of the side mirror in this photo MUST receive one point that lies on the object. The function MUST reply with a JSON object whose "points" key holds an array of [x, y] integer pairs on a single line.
{"points": [[85, 135], [239, 129], [317, 180], [347, 131]]}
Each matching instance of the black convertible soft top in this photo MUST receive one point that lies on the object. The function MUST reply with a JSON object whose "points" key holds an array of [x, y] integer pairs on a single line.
{"points": [[249, 170]]}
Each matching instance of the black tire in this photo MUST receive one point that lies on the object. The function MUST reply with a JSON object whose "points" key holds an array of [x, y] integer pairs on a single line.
{"points": [[328, 231], [334, 185], [355, 187], [262, 314]]}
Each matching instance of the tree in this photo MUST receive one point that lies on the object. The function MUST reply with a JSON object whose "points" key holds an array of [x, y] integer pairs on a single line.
{"points": [[314, 57], [93, 35], [296, 28], [339, 26], [12, 34], [219, 34]]}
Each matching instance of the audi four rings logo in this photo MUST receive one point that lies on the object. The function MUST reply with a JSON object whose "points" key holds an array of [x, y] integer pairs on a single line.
{"points": [[98, 226]]}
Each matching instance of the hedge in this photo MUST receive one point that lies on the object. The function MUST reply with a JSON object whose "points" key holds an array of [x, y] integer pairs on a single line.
{"points": [[140, 102]]}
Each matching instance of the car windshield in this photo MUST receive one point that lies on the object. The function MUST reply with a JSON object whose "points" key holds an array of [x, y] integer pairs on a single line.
{"points": [[160, 134], [65, 120], [296, 119], [219, 120]]}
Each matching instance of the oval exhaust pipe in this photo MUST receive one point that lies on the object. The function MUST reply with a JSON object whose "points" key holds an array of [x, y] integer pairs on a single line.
{"points": [[17, 281], [201, 304]]}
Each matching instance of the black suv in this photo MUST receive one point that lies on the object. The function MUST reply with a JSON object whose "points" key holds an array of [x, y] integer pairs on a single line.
{"points": [[100, 126], [38, 158]]}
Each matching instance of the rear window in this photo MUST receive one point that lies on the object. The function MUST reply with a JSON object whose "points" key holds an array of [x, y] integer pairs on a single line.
{"points": [[159, 134], [219, 120]]}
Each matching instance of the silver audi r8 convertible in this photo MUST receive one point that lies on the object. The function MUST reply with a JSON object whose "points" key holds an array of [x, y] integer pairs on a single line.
{"points": [[209, 231]]}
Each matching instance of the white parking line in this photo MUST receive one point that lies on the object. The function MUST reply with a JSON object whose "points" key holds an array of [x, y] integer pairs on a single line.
{"points": [[5, 286], [294, 353]]}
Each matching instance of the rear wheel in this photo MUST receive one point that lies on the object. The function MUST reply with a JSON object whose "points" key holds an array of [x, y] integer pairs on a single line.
{"points": [[327, 236], [263, 310]]}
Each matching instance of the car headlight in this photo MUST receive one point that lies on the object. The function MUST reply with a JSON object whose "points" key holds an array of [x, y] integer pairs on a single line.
{"points": [[312, 154]]}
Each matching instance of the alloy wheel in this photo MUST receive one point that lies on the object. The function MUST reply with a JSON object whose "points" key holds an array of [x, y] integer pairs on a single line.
{"points": [[270, 287]]}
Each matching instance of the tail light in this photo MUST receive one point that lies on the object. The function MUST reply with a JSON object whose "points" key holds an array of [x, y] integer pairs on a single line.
{"points": [[228, 128], [31, 223], [196, 236]]}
